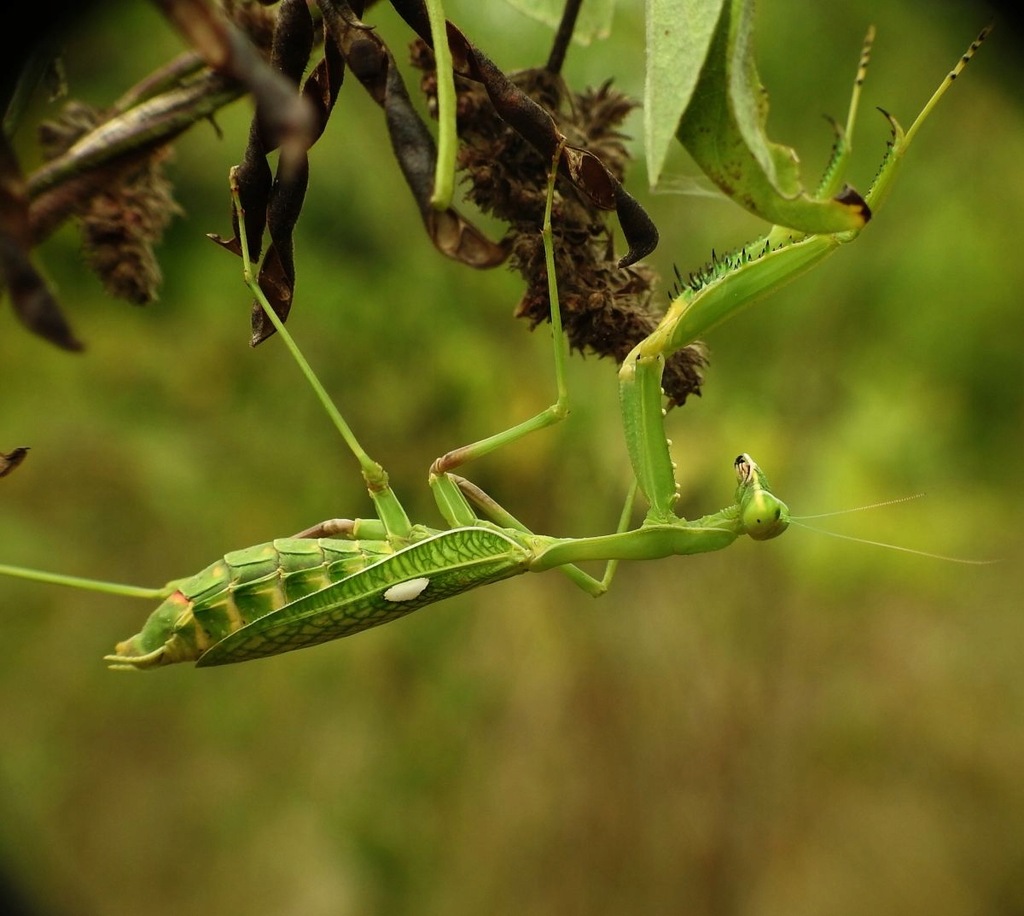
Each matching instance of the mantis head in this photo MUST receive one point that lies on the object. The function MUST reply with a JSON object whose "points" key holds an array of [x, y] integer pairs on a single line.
{"points": [[762, 514]]}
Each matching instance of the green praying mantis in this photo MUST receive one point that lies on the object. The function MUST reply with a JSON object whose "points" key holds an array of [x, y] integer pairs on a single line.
{"points": [[343, 576]]}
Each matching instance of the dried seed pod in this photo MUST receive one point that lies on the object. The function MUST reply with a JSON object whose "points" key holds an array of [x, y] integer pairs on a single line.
{"points": [[372, 64], [123, 220], [285, 118], [9, 461], [291, 43], [31, 298], [289, 52], [274, 203]]}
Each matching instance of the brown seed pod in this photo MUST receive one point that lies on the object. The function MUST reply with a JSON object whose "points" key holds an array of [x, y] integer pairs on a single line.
{"points": [[122, 221], [10, 460]]}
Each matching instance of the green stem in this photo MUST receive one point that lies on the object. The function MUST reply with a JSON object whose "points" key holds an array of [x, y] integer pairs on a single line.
{"points": [[444, 170]]}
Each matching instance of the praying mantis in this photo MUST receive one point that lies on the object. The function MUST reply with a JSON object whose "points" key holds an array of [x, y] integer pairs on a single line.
{"points": [[344, 576]]}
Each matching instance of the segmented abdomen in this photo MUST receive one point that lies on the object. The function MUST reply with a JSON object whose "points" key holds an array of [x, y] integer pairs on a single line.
{"points": [[443, 564], [242, 587]]}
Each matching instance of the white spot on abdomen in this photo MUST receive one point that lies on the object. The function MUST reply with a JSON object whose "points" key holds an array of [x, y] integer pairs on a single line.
{"points": [[406, 591]]}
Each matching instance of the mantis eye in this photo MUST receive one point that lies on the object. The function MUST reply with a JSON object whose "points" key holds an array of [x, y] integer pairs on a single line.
{"points": [[764, 515]]}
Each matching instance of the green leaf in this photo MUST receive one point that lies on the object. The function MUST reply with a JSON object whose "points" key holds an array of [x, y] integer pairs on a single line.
{"points": [[594, 21], [679, 33], [723, 129]]}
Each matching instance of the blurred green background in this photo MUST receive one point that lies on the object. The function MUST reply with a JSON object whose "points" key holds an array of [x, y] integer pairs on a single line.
{"points": [[800, 727]]}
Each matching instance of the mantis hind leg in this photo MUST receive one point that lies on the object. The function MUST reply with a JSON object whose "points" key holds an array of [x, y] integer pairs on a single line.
{"points": [[91, 585], [389, 510], [346, 529], [449, 496]]}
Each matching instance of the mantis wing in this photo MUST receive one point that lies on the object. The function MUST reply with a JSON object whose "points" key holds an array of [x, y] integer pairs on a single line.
{"points": [[430, 570]]}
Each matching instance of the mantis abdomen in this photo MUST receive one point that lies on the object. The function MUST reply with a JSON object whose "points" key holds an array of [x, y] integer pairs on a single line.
{"points": [[298, 592]]}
